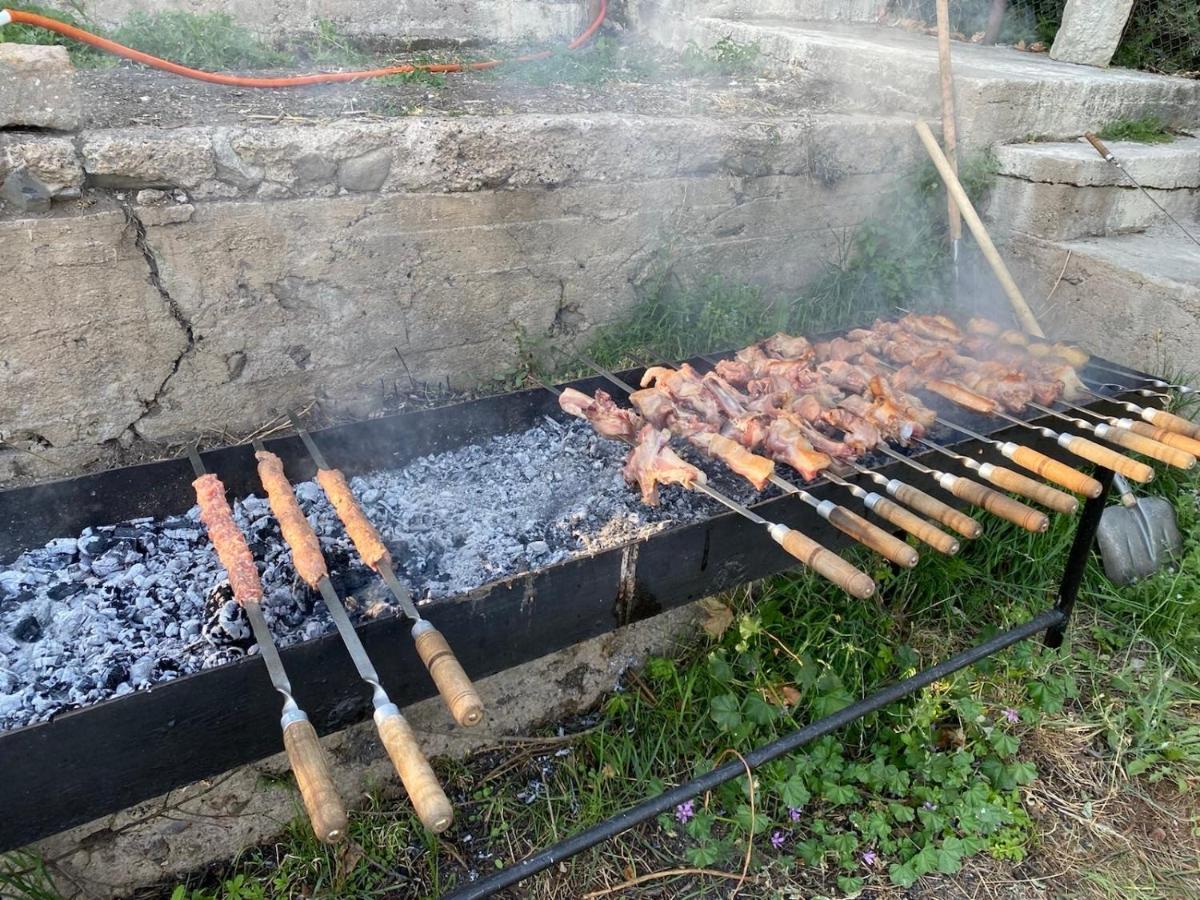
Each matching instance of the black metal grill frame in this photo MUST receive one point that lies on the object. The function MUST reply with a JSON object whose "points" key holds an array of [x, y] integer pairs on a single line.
{"points": [[90, 762]]}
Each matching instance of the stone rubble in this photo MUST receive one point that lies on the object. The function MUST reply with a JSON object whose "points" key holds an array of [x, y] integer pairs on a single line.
{"points": [[122, 607]]}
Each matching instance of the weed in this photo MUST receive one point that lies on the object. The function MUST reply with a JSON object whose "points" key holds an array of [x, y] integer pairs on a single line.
{"points": [[417, 76], [327, 46], [201, 40], [725, 57], [674, 322], [1146, 130], [604, 60]]}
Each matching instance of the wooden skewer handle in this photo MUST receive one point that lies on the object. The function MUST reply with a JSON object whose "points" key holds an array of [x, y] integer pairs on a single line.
{"points": [[1098, 145], [913, 524], [1139, 443], [1165, 436], [1106, 457], [1171, 422], [1052, 470], [931, 506], [448, 674], [824, 562], [996, 503], [886, 545], [1016, 483], [424, 791], [311, 769]]}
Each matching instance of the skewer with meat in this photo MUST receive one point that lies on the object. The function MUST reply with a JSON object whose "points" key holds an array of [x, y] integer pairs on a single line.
{"points": [[653, 463], [606, 417]]}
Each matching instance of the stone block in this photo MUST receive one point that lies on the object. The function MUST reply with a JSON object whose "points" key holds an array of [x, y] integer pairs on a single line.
{"points": [[52, 160], [137, 158], [1091, 31], [37, 87]]}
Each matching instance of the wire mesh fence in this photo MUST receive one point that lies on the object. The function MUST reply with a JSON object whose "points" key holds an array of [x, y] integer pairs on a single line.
{"points": [[1013, 22], [1161, 35]]}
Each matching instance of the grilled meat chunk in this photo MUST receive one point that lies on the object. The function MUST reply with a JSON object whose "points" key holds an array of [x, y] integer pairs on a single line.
{"points": [[227, 539], [787, 444], [786, 346], [606, 417], [652, 462], [755, 469]]}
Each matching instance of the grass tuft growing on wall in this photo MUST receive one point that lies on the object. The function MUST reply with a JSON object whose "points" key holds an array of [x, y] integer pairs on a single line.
{"points": [[1146, 130]]}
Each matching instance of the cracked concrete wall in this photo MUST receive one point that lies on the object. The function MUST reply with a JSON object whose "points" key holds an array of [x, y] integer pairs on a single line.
{"points": [[429, 20], [210, 822], [199, 313]]}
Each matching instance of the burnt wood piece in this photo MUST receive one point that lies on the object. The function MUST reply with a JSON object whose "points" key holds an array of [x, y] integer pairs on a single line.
{"points": [[95, 761]]}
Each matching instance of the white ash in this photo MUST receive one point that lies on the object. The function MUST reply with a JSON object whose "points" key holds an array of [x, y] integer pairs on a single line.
{"points": [[122, 607]]}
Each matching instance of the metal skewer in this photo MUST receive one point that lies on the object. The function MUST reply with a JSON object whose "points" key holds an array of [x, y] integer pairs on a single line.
{"points": [[448, 674], [396, 734], [845, 521], [824, 562], [1126, 438], [1159, 417], [924, 503], [1072, 443], [976, 494], [307, 759], [1108, 156], [1156, 382], [1038, 463], [1007, 479]]}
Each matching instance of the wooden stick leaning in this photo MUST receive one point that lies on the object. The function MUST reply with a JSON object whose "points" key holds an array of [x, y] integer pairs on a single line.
{"points": [[1022, 309], [949, 123]]}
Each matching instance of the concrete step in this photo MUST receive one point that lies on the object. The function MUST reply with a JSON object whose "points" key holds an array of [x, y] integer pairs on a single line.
{"points": [[1134, 298], [1065, 190], [1003, 94]]}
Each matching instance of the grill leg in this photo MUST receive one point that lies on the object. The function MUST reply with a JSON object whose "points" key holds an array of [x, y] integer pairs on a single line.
{"points": [[1081, 549]]}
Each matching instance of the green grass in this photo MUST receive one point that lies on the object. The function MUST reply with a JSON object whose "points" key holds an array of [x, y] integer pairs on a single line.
{"points": [[1146, 130], [81, 54], [1161, 36], [725, 57], [201, 40], [881, 265]]}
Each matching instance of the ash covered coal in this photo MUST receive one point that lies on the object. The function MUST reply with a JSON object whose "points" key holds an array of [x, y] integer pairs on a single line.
{"points": [[122, 607]]}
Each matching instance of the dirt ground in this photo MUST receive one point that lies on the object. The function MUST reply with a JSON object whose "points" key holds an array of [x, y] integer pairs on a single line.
{"points": [[129, 96]]}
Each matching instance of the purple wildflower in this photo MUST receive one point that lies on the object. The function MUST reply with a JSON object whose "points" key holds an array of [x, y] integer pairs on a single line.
{"points": [[929, 806], [794, 813], [870, 858], [1012, 715], [778, 839], [684, 811]]}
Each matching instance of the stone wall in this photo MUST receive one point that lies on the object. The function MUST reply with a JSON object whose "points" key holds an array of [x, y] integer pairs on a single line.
{"points": [[226, 273], [434, 20]]}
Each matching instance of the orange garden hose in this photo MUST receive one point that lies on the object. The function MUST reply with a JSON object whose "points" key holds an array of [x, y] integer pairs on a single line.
{"points": [[86, 37]]}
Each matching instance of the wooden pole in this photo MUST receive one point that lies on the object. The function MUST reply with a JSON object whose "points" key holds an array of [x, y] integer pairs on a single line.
{"points": [[949, 125], [1024, 314]]}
